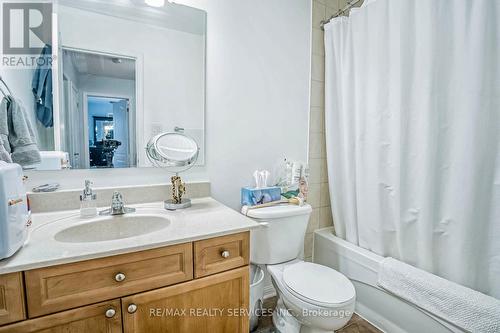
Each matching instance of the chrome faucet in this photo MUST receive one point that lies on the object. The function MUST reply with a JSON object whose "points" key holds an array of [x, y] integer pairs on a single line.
{"points": [[117, 206]]}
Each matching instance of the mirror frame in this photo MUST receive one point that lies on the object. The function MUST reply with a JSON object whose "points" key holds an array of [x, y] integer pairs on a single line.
{"points": [[57, 86]]}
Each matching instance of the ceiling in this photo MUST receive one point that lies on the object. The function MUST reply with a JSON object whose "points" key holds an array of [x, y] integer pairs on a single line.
{"points": [[101, 65], [171, 16]]}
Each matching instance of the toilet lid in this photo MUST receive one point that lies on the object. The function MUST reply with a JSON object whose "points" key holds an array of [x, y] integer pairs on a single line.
{"points": [[317, 284]]}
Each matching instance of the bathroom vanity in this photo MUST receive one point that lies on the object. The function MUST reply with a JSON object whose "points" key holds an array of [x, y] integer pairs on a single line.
{"points": [[190, 276]]}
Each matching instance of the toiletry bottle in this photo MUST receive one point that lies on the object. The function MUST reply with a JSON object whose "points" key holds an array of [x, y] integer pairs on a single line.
{"points": [[88, 201]]}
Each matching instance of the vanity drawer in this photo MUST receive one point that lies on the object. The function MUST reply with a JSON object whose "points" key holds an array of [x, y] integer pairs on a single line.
{"points": [[11, 298], [67, 286], [221, 254], [101, 317]]}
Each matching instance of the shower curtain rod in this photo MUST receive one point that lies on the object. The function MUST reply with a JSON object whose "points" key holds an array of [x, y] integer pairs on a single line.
{"points": [[339, 12]]}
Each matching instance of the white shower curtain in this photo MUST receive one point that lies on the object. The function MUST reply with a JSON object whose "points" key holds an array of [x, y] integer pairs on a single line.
{"points": [[413, 131]]}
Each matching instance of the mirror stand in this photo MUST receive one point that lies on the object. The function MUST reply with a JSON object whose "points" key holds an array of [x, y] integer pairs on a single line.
{"points": [[174, 151]]}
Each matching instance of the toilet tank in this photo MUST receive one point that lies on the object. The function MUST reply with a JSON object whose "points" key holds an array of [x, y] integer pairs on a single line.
{"points": [[280, 237]]}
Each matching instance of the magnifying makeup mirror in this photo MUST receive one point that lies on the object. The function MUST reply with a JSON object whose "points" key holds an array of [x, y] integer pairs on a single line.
{"points": [[175, 152]]}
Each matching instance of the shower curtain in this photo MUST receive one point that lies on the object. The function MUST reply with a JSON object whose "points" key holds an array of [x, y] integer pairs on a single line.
{"points": [[413, 130]]}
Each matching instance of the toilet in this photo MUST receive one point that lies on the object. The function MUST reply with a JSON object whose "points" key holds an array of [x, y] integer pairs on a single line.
{"points": [[311, 297]]}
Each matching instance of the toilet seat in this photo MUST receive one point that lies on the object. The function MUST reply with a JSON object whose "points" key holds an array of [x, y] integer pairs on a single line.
{"points": [[317, 284]]}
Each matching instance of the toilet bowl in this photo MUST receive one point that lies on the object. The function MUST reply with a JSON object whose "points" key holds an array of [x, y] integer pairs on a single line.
{"points": [[311, 297]]}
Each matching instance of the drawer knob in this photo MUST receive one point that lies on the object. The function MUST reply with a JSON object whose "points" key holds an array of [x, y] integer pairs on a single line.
{"points": [[225, 254], [120, 277], [110, 313], [132, 308]]}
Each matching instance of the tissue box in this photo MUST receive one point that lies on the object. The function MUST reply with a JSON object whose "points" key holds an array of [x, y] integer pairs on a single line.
{"points": [[257, 196]]}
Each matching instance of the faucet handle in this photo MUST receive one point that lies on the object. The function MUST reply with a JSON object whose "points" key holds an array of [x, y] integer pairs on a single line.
{"points": [[117, 206]]}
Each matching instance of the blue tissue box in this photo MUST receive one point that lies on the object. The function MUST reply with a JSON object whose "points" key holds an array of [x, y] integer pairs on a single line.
{"points": [[257, 196]]}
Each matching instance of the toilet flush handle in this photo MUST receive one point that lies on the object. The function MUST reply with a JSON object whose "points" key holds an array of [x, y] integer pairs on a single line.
{"points": [[264, 224]]}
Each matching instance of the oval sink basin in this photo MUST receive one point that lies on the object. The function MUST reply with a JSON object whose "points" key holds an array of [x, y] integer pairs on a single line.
{"points": [[108, 228]]}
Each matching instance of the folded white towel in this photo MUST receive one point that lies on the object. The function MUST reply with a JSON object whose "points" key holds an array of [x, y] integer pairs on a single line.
{"points": [[459, 305]]}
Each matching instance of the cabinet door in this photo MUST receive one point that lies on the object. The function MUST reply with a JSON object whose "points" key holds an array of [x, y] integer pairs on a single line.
{"points": [[218, 303], [11, 298], [97, 318]]}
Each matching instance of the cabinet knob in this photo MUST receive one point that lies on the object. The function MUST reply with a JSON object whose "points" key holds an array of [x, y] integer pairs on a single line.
{"points": [[132, 308], [120, 277], [225, 254], [110, 313]]}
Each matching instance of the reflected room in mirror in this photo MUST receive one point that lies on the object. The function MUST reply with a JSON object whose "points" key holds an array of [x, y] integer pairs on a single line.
{"points": [[106, 116], [103, 98]]}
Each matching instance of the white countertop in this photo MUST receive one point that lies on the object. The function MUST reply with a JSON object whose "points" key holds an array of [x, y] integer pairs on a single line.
{"points": [[206, 218]]}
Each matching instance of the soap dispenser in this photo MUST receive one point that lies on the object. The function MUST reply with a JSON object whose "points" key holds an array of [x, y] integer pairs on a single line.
{"points": [[88, 201]]}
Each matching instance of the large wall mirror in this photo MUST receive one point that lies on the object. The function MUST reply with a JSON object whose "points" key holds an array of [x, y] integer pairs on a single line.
{"points": [[124, 71]]}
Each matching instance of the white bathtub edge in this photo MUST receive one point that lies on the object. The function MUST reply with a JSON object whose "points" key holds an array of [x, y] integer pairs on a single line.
{"points": [[361, 266]]}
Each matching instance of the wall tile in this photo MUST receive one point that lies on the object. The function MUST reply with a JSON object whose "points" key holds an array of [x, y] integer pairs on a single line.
{"points": [[317, 124], [318, 41], [318, 13], [308, 245], [315, 171], [332, 3], [317, 93], [322, 146], [324, 195], [313, 220], [343, 3], [330, 11], [323, 171], [319, 196], [325, 217], [318, 68], [314, 197], [315, 145]]}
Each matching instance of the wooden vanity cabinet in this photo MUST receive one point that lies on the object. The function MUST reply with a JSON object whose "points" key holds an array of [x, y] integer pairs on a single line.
{"points": [[11, 298], [192, 287], [217, 303]]}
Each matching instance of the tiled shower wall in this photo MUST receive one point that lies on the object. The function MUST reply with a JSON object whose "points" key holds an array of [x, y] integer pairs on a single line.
{"points": [[319, 196]]}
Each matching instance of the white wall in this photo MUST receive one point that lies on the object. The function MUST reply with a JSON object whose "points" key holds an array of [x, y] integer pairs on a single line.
{"points": [[258, 74]]}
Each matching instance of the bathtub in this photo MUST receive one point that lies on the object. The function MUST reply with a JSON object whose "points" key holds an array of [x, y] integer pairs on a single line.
{"points": [[385, 311]]}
